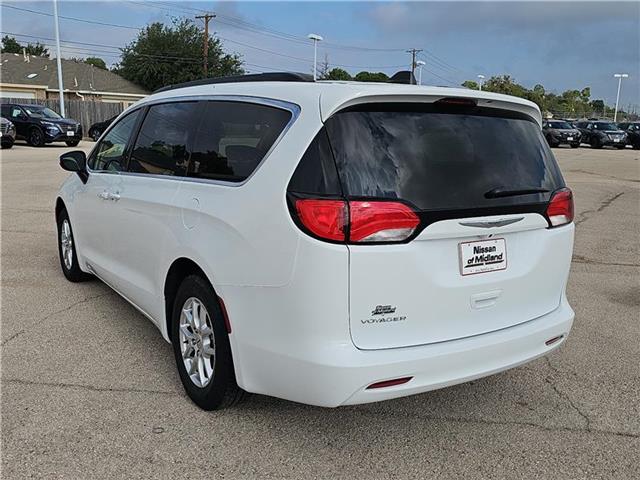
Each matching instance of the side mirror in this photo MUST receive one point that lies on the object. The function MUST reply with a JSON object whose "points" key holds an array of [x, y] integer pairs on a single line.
{"points": [[75, 161]]}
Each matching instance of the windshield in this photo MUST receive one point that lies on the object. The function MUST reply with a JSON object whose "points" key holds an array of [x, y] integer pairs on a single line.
{"points": [[441, 161], [605, 126], [560, 125], [41, 112]]}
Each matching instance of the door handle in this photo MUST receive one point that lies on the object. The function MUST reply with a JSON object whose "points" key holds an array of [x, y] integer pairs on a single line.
{"points": [[104, 195], [114, 196]]}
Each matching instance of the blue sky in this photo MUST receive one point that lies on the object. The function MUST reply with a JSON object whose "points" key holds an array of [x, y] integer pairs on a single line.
{"points": [[561, 45]]}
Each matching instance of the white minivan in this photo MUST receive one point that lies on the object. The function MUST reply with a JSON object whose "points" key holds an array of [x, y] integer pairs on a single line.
{"points": [[329, 243]]}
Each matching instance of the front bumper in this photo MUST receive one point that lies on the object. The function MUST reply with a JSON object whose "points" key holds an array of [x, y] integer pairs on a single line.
{"points": [[62, 136], [339, 374]]}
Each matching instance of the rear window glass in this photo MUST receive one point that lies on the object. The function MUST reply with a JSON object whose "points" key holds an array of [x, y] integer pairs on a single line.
{"points": [[441, 160], [162, 144], [233, 138]]}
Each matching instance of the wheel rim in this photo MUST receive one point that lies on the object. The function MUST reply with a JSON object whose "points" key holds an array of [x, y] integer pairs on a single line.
{"points": [[66, 243], [197, 342], [35, 137]]}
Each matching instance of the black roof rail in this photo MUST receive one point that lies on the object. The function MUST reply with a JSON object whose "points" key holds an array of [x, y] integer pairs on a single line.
{"points": [[254, 77], [403, 76]]}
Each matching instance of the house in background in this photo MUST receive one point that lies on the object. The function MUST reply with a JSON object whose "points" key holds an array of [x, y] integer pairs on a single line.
{"points": [[31, 77]]}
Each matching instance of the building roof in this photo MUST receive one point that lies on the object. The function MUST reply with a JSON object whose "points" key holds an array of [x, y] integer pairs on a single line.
{"points": [[76, 76]]}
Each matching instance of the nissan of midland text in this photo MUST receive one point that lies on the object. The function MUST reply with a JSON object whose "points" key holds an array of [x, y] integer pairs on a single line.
{"points": [[329, 243]]}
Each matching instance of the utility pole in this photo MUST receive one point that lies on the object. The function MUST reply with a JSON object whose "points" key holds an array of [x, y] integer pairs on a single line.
{"points": [[413, 52], [619, 76], [206, 17], [58, 57]]}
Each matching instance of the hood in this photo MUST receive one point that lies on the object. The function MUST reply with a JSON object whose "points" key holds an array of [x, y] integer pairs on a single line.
{"points": [[60, 121]]}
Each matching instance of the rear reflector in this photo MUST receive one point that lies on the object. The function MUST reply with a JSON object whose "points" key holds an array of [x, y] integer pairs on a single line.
{"points": [[389, 383], [323, 218], [381, 221], [553, 340], [560, 209]]}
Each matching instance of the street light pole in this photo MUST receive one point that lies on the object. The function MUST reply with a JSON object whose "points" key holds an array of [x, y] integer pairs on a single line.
{"points": [[58, 57], [619, 76], [481, 79], [316, 38], [420, 64]]}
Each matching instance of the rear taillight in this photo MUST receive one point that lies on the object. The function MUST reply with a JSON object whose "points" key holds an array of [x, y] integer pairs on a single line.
{"points": [[323, 218], [381, 221], [357, 221], [560, 209]]}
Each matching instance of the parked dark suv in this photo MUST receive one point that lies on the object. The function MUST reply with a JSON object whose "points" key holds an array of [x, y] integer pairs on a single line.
{"points": [[38, 125], [97, 128], [558, 132], [632, 129], [601, 133]]}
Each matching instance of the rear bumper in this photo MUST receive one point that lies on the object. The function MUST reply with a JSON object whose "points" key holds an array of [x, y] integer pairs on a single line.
{"points": [[339, 374]]}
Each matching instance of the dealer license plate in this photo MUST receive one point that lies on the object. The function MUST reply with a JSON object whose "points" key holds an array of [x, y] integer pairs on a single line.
{"points": [[483, 256]]}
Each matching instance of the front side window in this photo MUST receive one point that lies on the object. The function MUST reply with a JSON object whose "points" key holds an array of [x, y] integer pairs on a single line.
{"points": [[110, 153], [233, 138], [162, 146]]}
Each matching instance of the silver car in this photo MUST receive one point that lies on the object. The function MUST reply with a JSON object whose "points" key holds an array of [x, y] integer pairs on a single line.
{"points": [[7, 133]]}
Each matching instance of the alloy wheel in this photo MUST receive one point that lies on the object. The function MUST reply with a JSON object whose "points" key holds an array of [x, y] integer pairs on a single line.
{"points": [[66, 243], [197, 342]]}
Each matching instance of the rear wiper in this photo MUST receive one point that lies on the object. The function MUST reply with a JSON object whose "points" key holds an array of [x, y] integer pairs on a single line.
{"points": [[499, 192]]}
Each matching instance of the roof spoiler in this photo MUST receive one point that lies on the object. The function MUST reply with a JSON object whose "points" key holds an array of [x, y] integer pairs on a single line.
{"points": [[404, 76]]}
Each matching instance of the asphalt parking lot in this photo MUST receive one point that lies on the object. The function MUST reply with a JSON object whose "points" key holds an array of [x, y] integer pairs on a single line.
{"points": [[90, 390]]}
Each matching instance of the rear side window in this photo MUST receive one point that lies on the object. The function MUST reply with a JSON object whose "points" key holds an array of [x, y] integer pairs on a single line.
{"points": [[162, 146], [233, 138], [316, 173], [442, 160]]}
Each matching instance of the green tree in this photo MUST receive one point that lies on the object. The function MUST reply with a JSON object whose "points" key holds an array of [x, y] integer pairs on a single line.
{"points": [[338, 74], [96, 62], [11, 45], [168, 54], [504, 84], [371, 77], [470, 84]]}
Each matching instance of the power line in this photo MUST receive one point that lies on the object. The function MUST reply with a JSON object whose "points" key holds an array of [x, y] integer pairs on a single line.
{"points": [[94, 22]]}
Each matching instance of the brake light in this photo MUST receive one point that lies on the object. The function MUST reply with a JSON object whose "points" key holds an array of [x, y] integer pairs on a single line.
{"points": [[357, 221], [323, 218], [381, 221], [560, 209]]}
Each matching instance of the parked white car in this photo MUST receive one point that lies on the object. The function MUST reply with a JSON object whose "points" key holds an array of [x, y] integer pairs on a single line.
{"points": [[329, 243]]}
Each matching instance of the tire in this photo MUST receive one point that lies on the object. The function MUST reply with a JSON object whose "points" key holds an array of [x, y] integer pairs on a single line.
{"points": [[575, 145], [7, 145], [72, 143], [636, 146], [595, 143], [212, 383], [94, 134], [36, 137], [551, 143], [67, 251]]}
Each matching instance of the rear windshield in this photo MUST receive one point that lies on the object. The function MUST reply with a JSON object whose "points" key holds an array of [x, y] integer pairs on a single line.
{"points": [[442, 160], [560, 125]]}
